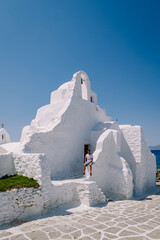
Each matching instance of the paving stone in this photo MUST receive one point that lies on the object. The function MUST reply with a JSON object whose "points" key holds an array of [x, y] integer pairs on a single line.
{"points": [[89, 230], [127, 233], [4, 234], [66, 236], [110, 215], [98, 211], [110, 236], [97, 235], [153, 223], [76, 218], [90, 216], [145, 227], [18, 237], [85, 238], [100, 226], [102, 219], [121, 219], [136, 229], [140, 219], [54, 235], [76, 235], [157, 219], [78, 225], [113, 230], [79, 213], [28, 227], [149, 216], [109, 224], [130, 222], [50, 222], [87, 222], [49, 229], [66, 228], [154, 234], [34, 235], [135, 238], [122, 225]]}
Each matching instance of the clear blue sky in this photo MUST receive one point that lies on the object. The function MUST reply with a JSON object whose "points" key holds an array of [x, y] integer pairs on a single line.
{"points": [[117, 42]]}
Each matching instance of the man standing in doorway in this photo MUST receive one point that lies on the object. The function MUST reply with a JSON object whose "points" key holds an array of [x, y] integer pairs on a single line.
{"points": [[88, 161]]}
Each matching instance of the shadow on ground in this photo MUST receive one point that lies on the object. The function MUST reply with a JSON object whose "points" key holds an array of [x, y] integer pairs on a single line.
{"points": [[70, 208]]}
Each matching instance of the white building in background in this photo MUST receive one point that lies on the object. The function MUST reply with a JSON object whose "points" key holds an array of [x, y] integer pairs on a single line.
{"points": [[4, 136], [54, 144]]}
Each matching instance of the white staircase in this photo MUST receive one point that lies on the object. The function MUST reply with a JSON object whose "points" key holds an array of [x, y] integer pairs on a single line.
{"points": [[89, 193], [82, 190]]}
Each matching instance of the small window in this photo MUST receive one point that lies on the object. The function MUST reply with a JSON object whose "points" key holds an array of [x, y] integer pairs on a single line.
{"points": [[91, 99], [2, 136], [81, 81]]}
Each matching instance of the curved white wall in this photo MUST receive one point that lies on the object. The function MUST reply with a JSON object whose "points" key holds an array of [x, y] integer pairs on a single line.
{"points": [[111, 171]]}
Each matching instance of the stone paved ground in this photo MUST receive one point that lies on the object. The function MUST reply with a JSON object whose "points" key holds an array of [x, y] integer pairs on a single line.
{"points": [[127, 220]]}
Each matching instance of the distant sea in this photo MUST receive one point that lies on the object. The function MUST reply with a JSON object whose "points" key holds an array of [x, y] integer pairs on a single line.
{"points": [[157, 154]]}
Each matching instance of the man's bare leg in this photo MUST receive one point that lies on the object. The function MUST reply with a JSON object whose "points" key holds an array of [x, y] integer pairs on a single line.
{"points": [[84, 170], [90, 169]]}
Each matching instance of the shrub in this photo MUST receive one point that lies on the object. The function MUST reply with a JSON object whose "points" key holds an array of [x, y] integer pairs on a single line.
{"points": [[17, 181]]}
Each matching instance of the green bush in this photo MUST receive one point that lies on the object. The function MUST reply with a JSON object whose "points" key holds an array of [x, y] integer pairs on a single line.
{"points": [[17, 181]]}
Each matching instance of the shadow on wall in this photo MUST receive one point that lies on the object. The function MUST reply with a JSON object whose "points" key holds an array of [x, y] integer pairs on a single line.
{"points": [[127, 154]]}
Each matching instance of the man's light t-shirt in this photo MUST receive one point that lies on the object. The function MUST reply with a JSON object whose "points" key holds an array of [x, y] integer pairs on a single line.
{"points": [[89, 158]]}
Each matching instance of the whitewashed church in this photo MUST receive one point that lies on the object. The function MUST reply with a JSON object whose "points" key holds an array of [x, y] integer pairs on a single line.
{"points": [[53, 146]]}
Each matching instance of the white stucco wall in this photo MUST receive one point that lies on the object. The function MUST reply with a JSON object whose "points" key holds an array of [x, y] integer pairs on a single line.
{"points": [[111, 171]]}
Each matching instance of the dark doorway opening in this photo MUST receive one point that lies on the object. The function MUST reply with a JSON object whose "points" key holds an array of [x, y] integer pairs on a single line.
{"points": [[86, 147]]}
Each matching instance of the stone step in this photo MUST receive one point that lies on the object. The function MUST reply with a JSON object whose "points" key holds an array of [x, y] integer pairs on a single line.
{"points": [[89, 193], [85, 189]]}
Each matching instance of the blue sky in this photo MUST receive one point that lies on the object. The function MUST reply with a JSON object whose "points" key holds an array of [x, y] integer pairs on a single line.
{"points": [[117, 42]]}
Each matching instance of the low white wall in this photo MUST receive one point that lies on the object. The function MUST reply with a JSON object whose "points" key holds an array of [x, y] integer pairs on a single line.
{"points": [[16, 204], [7, 165], [63, 193], [35, 166], [27, 202], [20, 203]]}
